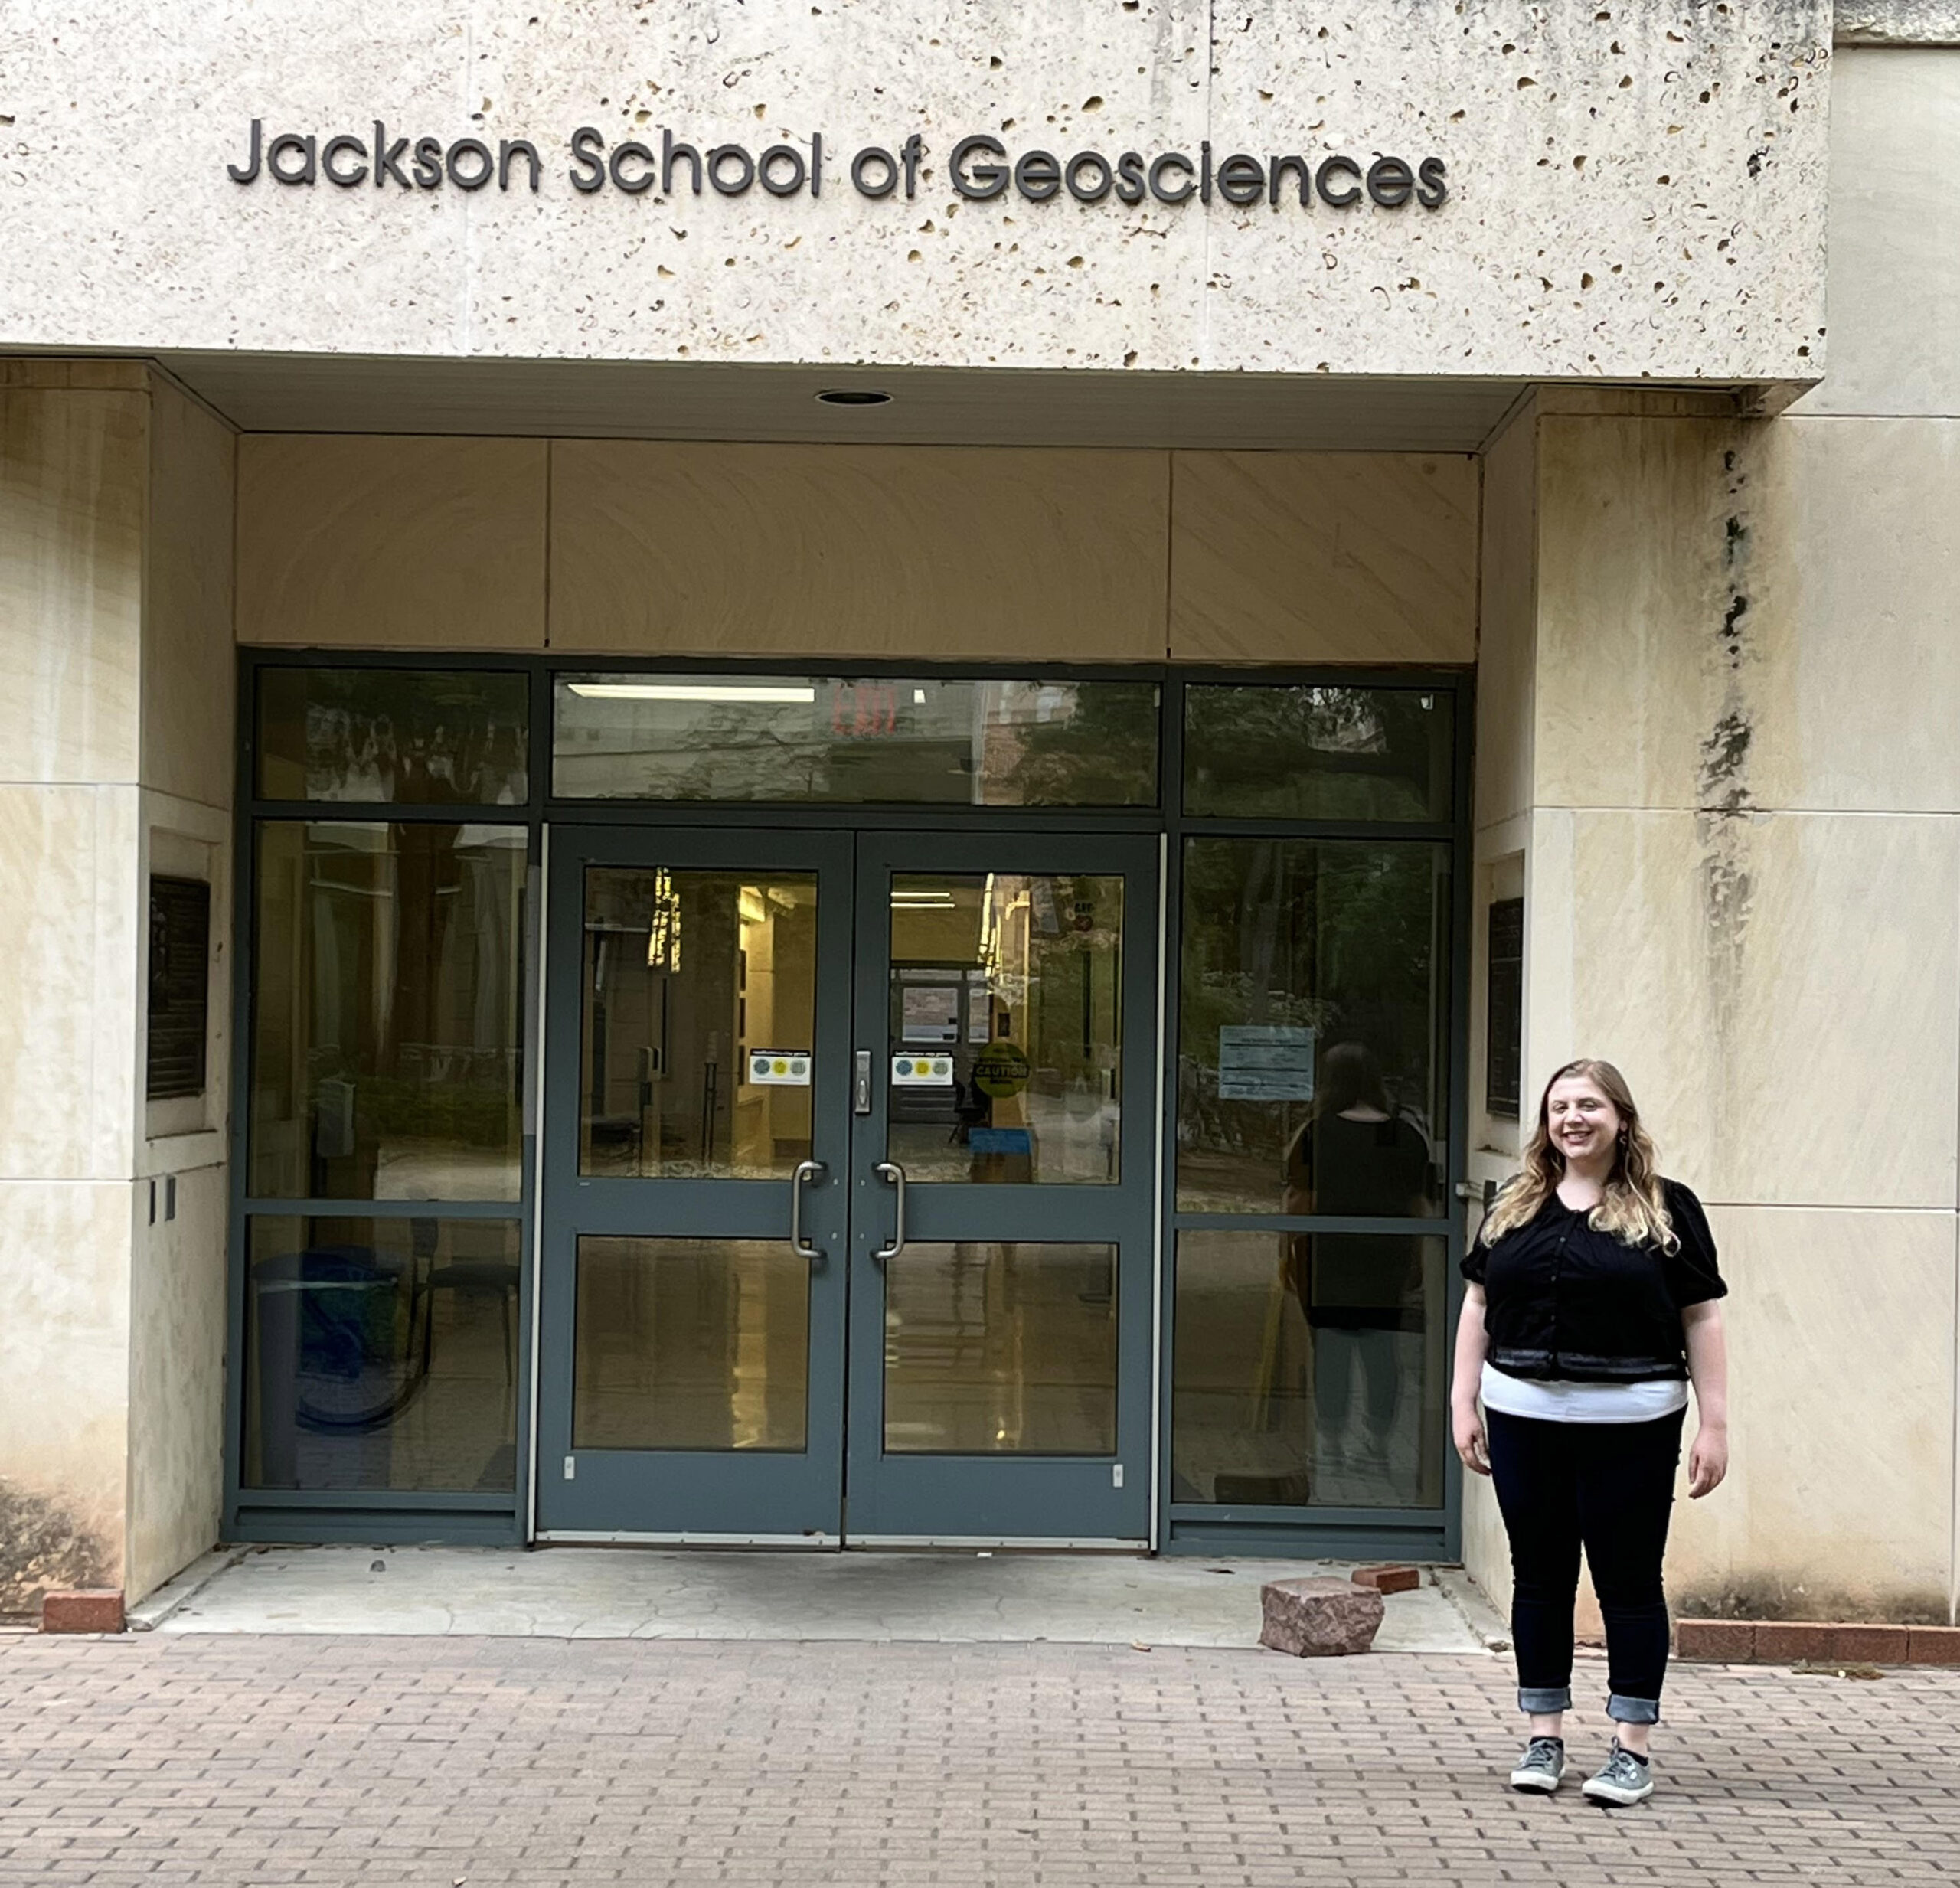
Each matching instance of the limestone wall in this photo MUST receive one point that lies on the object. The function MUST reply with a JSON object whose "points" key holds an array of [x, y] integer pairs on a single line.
{"points": [[177, 1302], [1624, 191], [74, 482], [940, 552], [1731, 689], [115, 670]]}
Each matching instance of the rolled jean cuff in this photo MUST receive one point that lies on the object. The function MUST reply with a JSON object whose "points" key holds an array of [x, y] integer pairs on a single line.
{"points": [[1542, 1700], [1632, 1710]]}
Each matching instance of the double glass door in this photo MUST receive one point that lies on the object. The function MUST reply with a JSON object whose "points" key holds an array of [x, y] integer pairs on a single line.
{"points": [[848, 1190]]}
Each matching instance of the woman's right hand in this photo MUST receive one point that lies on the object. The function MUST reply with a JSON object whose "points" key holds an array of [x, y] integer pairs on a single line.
{"points": [[1467, 1430]]}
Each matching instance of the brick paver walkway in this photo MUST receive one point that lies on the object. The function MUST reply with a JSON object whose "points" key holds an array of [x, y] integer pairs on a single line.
{"points": [[240, 1760]]}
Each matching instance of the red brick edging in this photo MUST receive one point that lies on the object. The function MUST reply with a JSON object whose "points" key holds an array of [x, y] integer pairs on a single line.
{"points": [[1813, 1642], [83, 1609]]}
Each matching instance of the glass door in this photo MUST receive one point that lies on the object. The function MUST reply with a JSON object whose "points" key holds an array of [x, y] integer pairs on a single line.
{"points": [[1002, 1187], [696, 1131], [760, 1104]]}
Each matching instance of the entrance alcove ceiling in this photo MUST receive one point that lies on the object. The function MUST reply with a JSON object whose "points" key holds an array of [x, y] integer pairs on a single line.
{"points": [[950, 407]]}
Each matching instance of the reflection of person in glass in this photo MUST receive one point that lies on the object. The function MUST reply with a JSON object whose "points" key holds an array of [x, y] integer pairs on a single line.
{"points": [[1357, 1155]]}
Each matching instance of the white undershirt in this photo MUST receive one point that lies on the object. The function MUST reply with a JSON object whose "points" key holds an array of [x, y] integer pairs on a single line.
{"points": [[1582, 1403]]}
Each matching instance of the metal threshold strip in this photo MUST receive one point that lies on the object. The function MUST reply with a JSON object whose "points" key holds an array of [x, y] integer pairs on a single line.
{"points": [[964, 1543]]}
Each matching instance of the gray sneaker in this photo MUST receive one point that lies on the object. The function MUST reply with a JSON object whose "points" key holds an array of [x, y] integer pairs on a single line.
{"points": [[1541, 1766], [1625, 1779]]}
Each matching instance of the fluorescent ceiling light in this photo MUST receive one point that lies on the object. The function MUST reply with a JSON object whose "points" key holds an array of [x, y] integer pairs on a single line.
{"points": [[693, 691]]}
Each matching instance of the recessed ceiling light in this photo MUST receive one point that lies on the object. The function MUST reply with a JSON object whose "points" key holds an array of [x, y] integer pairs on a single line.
{"points": [[855, 397], [693, 691]]}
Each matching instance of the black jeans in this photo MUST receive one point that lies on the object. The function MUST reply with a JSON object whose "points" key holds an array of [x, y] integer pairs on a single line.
{"points": [[1610, 1486]]}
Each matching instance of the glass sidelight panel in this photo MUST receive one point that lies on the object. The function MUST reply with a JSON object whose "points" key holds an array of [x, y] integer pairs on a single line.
{"points": [[386, 1011], [939, 740], [691, 1344], [1006, 1028], [997, 1349], [699, 1023], [1308, 1370], [1318, 753], [1312, 1069], [381, 1353]]}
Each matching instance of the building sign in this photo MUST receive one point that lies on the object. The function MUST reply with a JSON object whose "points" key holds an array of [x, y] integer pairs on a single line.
{"points": [[180, 987], [980, 166]]}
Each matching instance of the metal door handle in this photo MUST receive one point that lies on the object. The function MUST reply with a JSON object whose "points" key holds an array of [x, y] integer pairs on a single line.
{"points": [[805, 1170], [892, 1171]]}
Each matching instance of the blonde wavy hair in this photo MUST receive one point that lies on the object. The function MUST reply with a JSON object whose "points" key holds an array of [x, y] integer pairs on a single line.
{"points": [[1631, 1207]]}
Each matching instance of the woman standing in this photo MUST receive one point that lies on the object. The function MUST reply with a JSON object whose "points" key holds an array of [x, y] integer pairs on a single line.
{"points": [[1592, 1303]]}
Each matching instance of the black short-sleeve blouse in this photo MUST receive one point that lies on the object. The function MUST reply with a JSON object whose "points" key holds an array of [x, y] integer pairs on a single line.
{"points": [[1564, 1303]]}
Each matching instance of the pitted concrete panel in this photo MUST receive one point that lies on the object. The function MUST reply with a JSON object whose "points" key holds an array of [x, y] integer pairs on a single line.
{"points": [[1623, 190], [1898, 23]]}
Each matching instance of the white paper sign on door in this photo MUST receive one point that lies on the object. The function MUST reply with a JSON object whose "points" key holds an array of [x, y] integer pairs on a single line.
{"points": [[1265, 1064], [779, 1068], [921, 1071]]}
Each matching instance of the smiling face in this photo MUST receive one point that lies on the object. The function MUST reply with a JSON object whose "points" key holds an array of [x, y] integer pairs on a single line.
{"points": [[1582, 1124]]}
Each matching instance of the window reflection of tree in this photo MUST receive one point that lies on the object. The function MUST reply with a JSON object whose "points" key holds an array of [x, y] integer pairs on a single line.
{"points": [[398, 735], [1102, 752], [1318, 752], [1341, 937]]}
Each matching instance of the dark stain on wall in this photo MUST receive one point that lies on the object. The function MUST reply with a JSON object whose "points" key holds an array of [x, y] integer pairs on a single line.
{"points": [[1725, 748], [1722, 797], [1798, 1600], [42, 1546], [1724, 754]]}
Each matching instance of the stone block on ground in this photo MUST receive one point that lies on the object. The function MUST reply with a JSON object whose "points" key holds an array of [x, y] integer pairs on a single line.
{"points": [[1388, 1579], [1319, 1618], [82, 1609]]}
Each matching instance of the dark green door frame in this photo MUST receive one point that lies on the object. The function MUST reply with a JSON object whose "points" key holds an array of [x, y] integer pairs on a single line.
{"points": [[844, 1484], [925, 1498], [728, 1494]]}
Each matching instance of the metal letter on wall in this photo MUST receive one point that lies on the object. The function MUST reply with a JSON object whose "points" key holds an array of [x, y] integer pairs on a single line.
{"points": [[180, 988]]}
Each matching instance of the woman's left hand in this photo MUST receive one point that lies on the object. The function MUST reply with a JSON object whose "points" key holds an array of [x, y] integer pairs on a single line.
{"points": [[1707, 1460]]}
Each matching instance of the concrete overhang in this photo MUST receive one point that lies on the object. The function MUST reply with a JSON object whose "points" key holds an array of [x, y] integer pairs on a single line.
{"points": [[951, 406]]}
